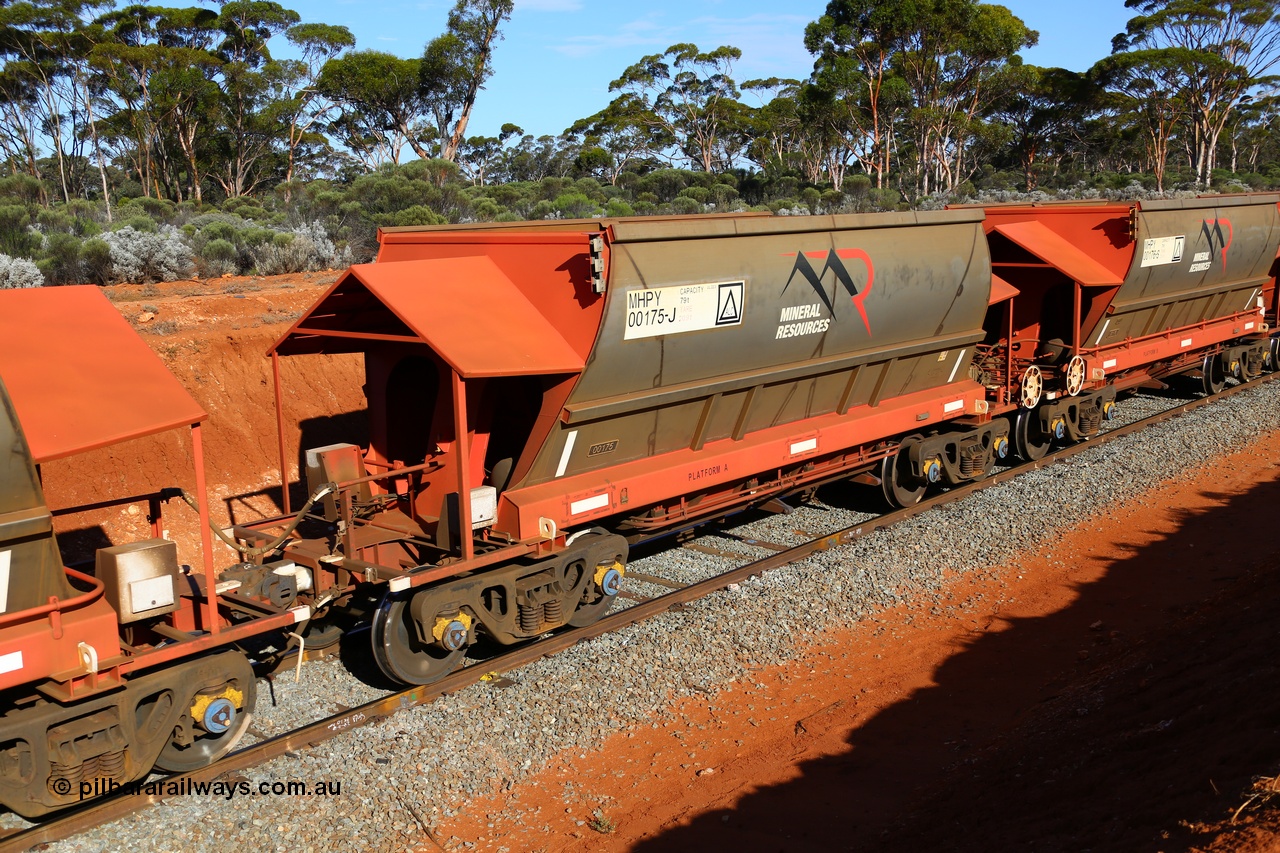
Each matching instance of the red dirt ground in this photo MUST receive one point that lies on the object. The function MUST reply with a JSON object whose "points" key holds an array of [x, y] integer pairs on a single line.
{"points": [[1115, 692]]}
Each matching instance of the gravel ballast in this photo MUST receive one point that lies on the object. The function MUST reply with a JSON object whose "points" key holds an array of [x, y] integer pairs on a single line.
{"points": [[400, 776]]}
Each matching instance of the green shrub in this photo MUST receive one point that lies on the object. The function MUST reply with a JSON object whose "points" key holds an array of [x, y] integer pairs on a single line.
{"points": [[575, 205], [140, 222], [618, 207], [418, 214], [253, 236], [219, 230], [61, 261], [95, 259], [157, 208], [685, 205], [16, 237], [542, 210], [219, 250], [24, 189], [486, 209]]}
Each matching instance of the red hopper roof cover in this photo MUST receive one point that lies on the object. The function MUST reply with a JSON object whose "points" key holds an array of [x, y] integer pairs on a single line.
{"points": [[464, 308], [80, 377]]}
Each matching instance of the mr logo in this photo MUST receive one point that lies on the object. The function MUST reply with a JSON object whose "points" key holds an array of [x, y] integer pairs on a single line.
{"points": [[834, 262], [1217, 233]]}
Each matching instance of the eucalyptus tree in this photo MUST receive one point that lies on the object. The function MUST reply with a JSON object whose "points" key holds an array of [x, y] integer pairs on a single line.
{"points": [[1251, 131], [1150, 91], [43, 85], [690, 96], [953, 61], [456, 64], [481, 156], [381, 106], [254, 89], [916, 76], [1218, 50], [158, 65], [303, 105], [618, 135], [1044, 113], [855, 43]]}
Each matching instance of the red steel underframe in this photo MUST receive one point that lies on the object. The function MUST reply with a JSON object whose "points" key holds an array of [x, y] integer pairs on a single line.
{"points": [[71, 621], [654, 480], [1137, 352]]}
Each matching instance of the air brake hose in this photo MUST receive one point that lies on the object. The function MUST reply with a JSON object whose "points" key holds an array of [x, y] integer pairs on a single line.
{"points": [[250, 551]]}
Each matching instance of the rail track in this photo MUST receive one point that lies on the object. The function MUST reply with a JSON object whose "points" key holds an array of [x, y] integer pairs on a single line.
{"points": [[113, 808]]}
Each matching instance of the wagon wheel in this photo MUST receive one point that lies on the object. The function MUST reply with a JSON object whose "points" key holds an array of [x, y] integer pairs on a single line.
{"points": [[1029, 440], [899, 485], [1032, 387], [599, 595], [399, 652], [1213, 377], [218, 716], [320, 634], [1075, 375], [1274, 355]]}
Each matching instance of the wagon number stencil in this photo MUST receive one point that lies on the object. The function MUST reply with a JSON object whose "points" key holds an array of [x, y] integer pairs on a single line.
{"points": [[653, 311]]}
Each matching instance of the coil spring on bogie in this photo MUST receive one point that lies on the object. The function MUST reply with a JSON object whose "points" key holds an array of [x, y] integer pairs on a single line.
{"points": [[552, 612], [970, 460], [530, 618], [72, 773], [109, 765], [1090, 421]]}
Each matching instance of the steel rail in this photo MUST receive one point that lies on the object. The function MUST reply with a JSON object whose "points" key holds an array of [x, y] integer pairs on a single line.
{"points": [[114, 807]]}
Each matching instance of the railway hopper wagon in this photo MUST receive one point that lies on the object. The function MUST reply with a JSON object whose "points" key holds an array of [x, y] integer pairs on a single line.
{"points": [[542, 395], [1113, 296], [127, 663]]}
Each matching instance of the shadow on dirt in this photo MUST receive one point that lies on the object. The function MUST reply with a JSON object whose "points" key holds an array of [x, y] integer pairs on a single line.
{"points": [[1117, 723], [349, 427]]}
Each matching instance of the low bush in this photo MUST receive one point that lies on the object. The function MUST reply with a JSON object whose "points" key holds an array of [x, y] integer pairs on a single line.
{"points": [[139, 256], [19, 272]]}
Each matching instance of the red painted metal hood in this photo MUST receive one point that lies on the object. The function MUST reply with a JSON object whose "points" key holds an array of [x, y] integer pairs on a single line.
{"points": [[465, 308], [1051, 247], [80, 377]]}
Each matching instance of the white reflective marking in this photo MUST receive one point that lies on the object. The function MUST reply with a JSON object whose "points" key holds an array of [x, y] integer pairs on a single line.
{"points": [[151, 593], [398, 584], [4, 580], [566, 453], [953, 406], [588, 504], [1108, 364], [804, 446], [1186, 342], [1248, 327], [1249, 301], [1102, 331], [956, 366], [11, 662], [301, 614]]}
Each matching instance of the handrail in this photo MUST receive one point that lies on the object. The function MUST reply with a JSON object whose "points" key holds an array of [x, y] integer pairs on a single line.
{"points": [[55, 605]]}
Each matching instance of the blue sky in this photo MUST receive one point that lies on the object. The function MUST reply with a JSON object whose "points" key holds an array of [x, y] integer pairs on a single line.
{"points": [[559, 56]]}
